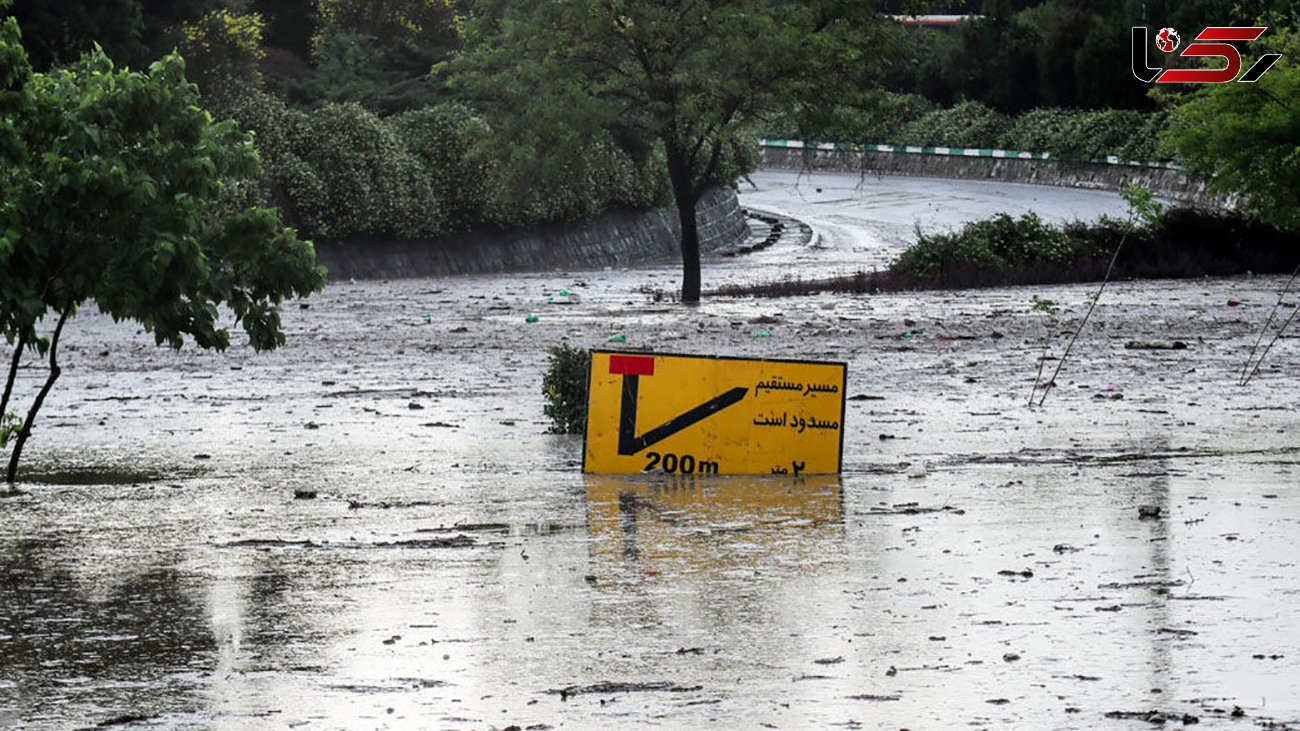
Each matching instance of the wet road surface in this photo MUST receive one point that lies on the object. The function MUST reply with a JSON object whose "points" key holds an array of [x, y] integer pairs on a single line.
{"points": [[371, 528]]}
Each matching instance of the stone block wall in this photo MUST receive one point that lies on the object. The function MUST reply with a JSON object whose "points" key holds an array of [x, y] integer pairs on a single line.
{"points": [[617, 239]]}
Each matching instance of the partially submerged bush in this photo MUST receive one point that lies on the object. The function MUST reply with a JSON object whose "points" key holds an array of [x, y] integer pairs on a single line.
{"points": [[565, 389], [994, 247], [1187, 242]]}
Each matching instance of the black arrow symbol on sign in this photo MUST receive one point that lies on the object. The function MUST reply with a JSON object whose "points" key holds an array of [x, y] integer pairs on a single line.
{"points": [[630, 443]]}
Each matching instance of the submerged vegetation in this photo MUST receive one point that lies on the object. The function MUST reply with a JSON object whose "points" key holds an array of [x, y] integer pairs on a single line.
{"points": [[565, 389]]}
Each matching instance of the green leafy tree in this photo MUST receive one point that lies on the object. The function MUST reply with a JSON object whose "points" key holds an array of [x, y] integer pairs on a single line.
{"points": [[117, 190], [1062, 27], [164, 22], [1245, 138], [996, 61], [224, 49], [384, 77], [426, 21], [377, 53], [224, 54], [686, 75]]}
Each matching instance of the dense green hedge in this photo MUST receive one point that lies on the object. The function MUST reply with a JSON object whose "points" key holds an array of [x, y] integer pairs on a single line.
{"points": [[440, 137], [340, 170], [993, 247], [1184, 242], [1068, 134], [969, 124]]}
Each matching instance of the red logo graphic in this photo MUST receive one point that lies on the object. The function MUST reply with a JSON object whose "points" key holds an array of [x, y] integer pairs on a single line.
{"points": [[1167, 40]]}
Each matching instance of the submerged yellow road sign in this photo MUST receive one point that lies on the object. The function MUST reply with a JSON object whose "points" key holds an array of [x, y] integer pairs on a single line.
{"points": [[687, 414]]}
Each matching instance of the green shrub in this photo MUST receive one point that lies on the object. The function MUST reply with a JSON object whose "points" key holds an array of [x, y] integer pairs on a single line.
{"points": [[892, 115], [1068, 134], [339, 170], [1144, 145], [968, 124], [1039, 130], [1094, 135], [441, 139], [565, 389], [993, 247], [373, 185], [566, 179], [265, 115]]}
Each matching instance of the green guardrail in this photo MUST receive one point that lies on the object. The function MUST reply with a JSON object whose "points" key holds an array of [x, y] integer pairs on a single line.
{"points": [[951, 151]]}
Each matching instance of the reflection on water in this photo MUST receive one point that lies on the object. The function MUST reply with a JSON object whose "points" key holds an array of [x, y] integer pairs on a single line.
{"points": [[710, 527], [797, 603], [55, 630]]}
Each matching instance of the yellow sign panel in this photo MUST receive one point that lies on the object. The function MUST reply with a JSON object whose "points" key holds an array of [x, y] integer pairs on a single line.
{"points": [[685, 414]]}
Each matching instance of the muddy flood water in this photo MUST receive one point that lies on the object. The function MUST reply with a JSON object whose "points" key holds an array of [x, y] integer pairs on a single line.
{"points": [[371, 527]]}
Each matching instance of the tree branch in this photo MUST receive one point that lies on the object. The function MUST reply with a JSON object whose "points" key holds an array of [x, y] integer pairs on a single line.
{"points": [[1272, 97]]}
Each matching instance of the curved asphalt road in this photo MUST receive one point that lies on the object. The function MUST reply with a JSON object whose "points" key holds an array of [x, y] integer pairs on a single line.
{"points": [[863, 221]]}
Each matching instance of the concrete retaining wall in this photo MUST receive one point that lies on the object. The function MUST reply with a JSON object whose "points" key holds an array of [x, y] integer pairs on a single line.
{"points": [[620, 238], [1165, 181]]}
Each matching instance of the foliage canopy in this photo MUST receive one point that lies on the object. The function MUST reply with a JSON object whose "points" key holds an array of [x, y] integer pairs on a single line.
{"points": [[1245, 138], [118, 189], [688, 76]]}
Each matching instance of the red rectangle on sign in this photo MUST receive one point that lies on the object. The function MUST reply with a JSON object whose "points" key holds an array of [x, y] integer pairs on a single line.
{"points": [[631, 365]]}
